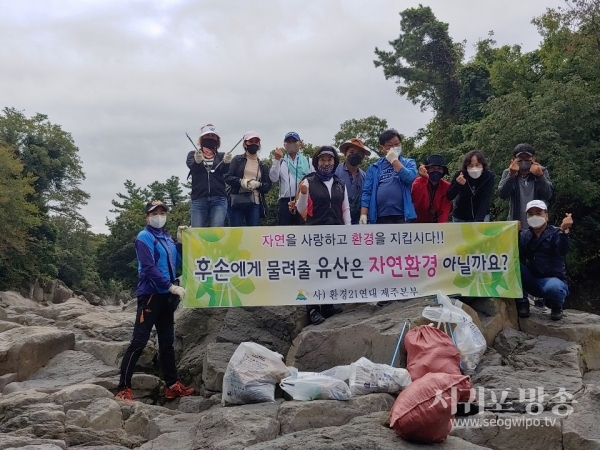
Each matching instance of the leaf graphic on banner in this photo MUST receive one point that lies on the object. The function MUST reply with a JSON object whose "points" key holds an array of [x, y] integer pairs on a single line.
{"points": [[243, 285]]}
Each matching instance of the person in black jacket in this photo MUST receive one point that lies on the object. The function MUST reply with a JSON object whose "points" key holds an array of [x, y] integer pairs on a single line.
{"points": [[249, 180], [207, 167], [323, 198], [471, 189], [543, 249]]}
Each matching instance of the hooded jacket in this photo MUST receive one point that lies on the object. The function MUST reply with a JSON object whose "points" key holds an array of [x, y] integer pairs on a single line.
{"points": [[204, 182]]}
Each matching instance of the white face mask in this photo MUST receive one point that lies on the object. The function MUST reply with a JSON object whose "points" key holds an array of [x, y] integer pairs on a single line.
{"points": [[157, 221], [398, 149], [536, 221], [291, 147], [475, 172]]}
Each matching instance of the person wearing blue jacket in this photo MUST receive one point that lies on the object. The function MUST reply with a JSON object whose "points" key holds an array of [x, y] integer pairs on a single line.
{"points": [[158, 296], [386, 196]]}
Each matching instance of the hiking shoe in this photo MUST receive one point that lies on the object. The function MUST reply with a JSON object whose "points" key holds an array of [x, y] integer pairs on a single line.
{"points": [[523, 310], [330, 310], [178, 390], [125, 394], [315, 317], [384, 303], [556, 313]]}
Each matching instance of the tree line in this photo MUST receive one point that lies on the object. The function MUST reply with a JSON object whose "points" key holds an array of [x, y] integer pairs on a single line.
{"points": [[502, 96]]}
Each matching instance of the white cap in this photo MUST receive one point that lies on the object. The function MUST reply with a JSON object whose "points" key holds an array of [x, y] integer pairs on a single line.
{"points": [[250, 135], [207, 129], [536, 204]]}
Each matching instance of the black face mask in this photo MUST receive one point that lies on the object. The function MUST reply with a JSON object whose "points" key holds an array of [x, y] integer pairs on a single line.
{"points": [[253, 149], [354, 159], [435, 177], [210, 143]]}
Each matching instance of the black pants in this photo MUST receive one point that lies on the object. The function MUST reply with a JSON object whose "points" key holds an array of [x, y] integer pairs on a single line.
{"points": [[153, 310], [391, 219], [284, 216]]}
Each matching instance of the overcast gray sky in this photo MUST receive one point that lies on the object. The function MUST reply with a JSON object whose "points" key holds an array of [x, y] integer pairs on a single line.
{"points": [[129, 78]]}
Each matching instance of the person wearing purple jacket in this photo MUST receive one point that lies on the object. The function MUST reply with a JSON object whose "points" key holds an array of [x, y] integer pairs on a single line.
{"points": [[158, 296]]}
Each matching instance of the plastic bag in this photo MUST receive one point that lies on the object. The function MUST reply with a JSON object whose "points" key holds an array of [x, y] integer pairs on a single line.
{"points": [[367, 377], [423, 411], [315, 386], [339, 372], [251, 375], [468, 337]]}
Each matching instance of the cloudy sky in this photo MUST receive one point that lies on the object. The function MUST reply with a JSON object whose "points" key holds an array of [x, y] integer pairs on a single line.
{"points": [[129, 78]]}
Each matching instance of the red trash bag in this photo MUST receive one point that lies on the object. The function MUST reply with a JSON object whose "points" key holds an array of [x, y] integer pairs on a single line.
{"points": [[429, 350], [423, 411]]}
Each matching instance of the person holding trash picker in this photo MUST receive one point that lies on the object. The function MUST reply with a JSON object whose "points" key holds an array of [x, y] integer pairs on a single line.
{"points": [[524, 180], [249, 180], [429, 192], [352, 175], [543, 250], [386, 194], [323, 198], [207, 169], [471, 189], [158, 296], [289, 167]]}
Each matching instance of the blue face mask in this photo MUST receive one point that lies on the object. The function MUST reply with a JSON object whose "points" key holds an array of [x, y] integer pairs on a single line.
{"points": [[436, 176]]}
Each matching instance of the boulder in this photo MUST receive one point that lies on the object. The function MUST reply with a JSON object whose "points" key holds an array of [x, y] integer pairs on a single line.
{"points": [[17, 302], [297, 416], [196, 404], [580, 429], [138, 415], [110, 353], [24, 350], [56, 291], [576, 326], [216, 358], [6, 325], [370, 331], [104, 414], [494, 315], [79, 396], [12, 442]]}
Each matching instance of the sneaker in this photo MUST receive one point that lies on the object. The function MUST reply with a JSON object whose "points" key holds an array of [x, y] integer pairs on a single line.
{"points": [[315, 317], [523, 310], [556, 313], [178, 390], [330, 310], [125, 394]]}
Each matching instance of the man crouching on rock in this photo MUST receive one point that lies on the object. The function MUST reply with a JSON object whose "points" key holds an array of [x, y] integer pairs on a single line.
{"points": [[157, 299], [543, 249]]}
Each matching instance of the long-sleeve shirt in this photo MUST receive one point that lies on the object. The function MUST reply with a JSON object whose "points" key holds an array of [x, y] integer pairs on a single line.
{"points": [[521, 190], [285, 173], [303, 200]]}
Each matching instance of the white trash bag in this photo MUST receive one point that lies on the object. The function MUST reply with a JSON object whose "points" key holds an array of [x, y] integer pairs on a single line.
{"points": [[467, 336], [251, 375], [367, 377], [315, 386]]}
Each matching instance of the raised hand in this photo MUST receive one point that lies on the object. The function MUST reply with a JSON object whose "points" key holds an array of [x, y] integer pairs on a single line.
{"points": [[567, 222], [461, 179], [278, 154]]}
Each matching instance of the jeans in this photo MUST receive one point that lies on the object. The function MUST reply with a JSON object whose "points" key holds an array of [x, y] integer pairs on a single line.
{"points": [[284, 216], [457, 220], [152, 310], [552, 289], [209, 211], [249, 213]]}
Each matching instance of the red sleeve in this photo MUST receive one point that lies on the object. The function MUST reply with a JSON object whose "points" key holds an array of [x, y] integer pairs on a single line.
{"points": [[446, 205]]}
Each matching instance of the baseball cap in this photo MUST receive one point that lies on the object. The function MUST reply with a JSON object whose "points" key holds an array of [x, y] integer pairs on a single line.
{"points": [[207, 129], [536, 204], [291, 134], [250, 135], [523, 149], [354, 142], [152, 205]]}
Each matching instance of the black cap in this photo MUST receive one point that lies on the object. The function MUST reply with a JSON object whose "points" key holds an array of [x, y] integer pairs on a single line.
{"points": [[523, 148], [152, 205], [437, 160]]}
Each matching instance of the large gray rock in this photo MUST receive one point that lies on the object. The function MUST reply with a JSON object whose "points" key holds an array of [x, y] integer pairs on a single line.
{"points": [[576, 326], [56, 291], [24, 350], [216, 358], [80, 396], [65, 369], [16, 302], [88, 437], [520, 363], [104, 414], [494, 314], [138, 415], [368, 330], [580, 429], [12, 442], [298, 416], [108, 352]]}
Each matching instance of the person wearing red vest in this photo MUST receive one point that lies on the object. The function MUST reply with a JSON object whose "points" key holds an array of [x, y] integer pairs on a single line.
{"points": [[429, 192]]}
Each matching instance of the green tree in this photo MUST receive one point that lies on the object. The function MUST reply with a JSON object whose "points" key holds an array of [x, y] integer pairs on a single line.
{"points": [[367, 130]]}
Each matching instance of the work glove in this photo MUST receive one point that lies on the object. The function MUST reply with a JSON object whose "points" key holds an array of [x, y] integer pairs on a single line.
{"points": [[392, 155], [178, 291], [180, 232], [244, 184], [253, 184], [198, 157], [363, 219], [227, 158]]}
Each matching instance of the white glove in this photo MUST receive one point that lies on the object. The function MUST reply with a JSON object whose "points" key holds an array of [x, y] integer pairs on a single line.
{"points": [[179, 232], [253, 184], [227, 158], [363, 219], [198, 157], [177, 290], [392, 155], [244, 184]]}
